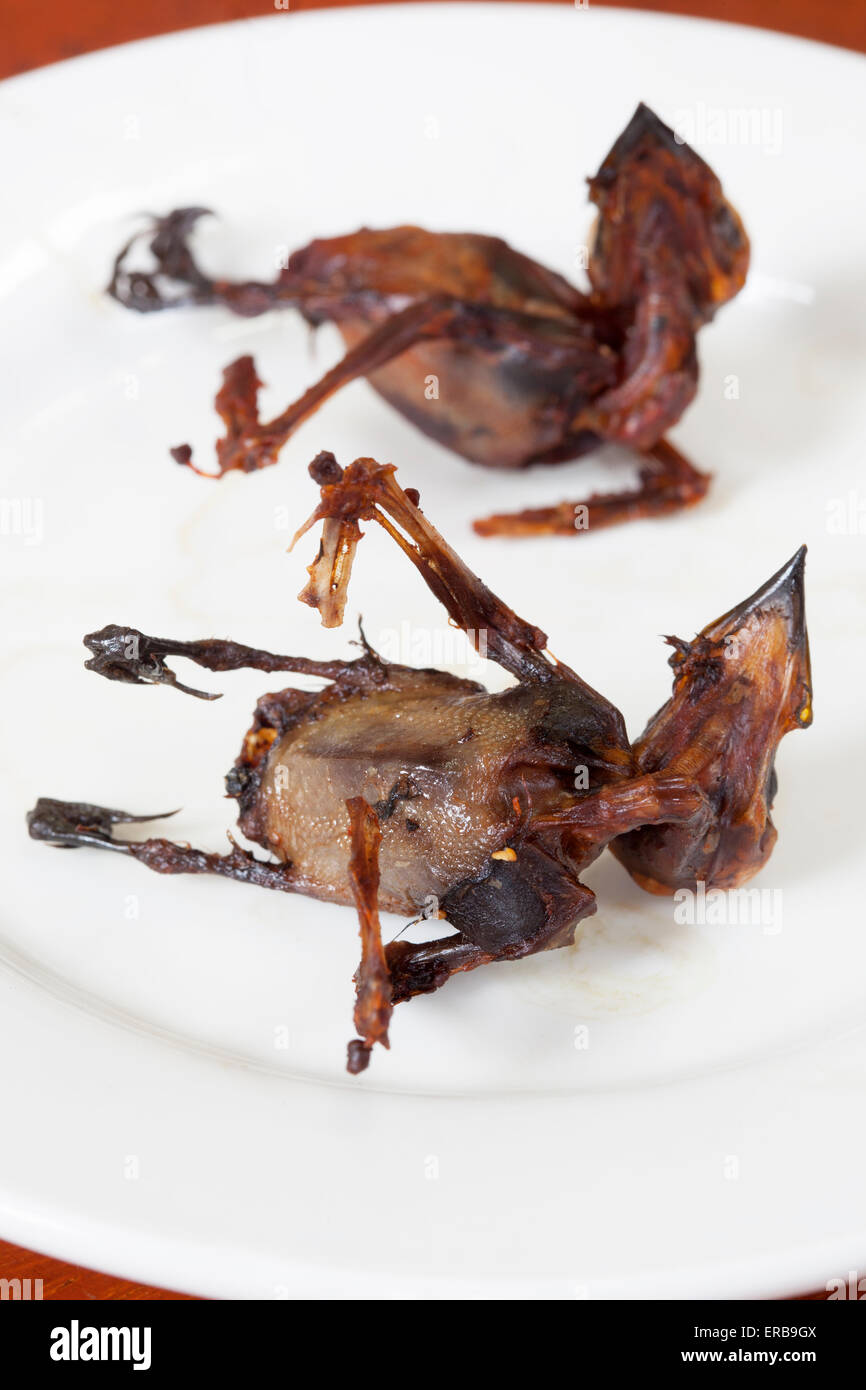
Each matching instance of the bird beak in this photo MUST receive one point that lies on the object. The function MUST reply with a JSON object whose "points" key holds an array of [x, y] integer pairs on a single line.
{"points": [[739, 687]]}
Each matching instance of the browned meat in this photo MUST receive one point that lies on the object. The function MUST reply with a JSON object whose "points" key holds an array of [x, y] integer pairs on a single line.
{"points": [[488, 352], [419, 793]]}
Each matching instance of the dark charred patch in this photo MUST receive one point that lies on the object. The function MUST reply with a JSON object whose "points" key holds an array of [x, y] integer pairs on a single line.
{"points": [[402, 790]]}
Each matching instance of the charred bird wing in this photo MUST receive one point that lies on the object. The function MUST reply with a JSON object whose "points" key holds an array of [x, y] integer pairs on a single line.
{"points": [[72, 824], [250, 443], [667, 482], [125, 654], [78, 824]]}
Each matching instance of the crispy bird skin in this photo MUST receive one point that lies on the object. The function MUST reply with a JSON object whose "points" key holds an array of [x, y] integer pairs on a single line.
{"points": [[486, 351], [739, 687], [416, 792], [374, 1003]]}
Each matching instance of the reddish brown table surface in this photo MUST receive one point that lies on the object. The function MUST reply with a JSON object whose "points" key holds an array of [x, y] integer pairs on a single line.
{"points": [[55, 29], [34, 34]]}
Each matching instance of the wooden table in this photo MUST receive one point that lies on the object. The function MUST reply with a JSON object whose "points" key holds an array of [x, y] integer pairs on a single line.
{"points": [[56, 29]]}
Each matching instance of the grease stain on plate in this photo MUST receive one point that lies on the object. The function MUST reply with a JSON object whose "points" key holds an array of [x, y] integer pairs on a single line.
{"points": [[626, 962]]}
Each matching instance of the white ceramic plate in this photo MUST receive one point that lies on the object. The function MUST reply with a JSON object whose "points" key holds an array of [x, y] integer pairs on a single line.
{"points": [[172, 1094]]}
